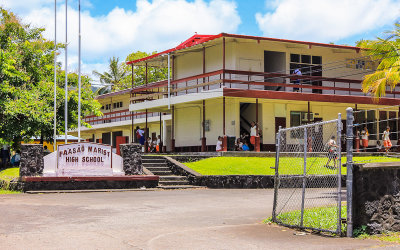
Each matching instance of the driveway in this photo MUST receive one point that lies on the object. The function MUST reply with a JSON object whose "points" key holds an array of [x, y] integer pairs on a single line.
{"points": [[176, 219]]}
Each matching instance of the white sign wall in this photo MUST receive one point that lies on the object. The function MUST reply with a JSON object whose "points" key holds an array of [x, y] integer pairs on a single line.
{"points": [[84, 159]]}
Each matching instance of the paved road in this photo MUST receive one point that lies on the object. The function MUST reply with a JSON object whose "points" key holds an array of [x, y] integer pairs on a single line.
{"points": [[178, 219]]}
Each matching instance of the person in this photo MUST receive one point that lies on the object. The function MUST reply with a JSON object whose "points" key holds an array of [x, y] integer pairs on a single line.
{"points": [[16, 159], [158, 144], [297, 81], [46, 151], [149, 145], [245, 147], [239, 145], [386, 139], [253, 133], [364, 138], [332, 151], [218, 148], [5, 156], [140, 135], [379, 147]]}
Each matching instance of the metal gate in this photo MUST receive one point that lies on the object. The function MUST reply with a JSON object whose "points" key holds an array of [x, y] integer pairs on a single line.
{"points": [[308, 177]]}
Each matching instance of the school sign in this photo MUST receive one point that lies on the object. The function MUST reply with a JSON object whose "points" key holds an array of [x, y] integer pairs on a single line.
{"points": [[83, 159]]}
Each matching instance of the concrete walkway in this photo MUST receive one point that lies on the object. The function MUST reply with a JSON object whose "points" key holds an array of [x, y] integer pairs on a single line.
{"points": [[176, 219]]}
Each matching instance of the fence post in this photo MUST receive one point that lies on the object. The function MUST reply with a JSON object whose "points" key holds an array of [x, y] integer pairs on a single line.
{"points": [[276, 178], [339, 164], [349, 166], [303, 193]]}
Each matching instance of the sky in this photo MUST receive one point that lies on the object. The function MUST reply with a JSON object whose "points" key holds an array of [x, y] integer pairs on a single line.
{"points": [[120, 27]]}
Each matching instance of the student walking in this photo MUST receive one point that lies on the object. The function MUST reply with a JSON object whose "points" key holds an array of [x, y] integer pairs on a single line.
{"points": [[386, 139], [253, 134], [219, 144], [332, 152]]}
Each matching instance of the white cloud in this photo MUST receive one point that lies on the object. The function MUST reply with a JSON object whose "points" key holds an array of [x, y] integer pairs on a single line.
{"points": [[155, 25], [327, 20]]}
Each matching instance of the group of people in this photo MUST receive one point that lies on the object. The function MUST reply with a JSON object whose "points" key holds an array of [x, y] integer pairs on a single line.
{"points": [[387, 143], [8, 159], [246, 142], [153, 145]]}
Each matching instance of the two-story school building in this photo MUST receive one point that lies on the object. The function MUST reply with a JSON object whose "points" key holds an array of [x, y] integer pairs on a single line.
{"points": [[219, 84]]}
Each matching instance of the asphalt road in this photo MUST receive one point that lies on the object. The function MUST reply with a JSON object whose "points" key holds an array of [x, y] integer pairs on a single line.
{"points": [[178, 219]]}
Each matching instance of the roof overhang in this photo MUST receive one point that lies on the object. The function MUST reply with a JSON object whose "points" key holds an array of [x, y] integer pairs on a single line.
{"points": [[197, 42], [161, 105]]}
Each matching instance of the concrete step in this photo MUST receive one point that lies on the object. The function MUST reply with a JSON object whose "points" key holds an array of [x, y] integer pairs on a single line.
{"points": [[151, 169], [179, 187], [162, 172], [175, 182], [173, 178], [153, 160], [156, 164]]}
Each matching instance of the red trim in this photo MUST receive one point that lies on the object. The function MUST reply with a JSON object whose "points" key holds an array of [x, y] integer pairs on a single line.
{"points": [[267, 94], [199, 39], [92, 178], [192, 41]]}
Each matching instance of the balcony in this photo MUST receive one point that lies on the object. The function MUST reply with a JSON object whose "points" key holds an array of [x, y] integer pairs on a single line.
{"points": [[117, 116], [287, 85]]}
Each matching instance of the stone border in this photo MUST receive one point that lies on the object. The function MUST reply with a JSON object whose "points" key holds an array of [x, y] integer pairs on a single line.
{"points": [[240, 181]]}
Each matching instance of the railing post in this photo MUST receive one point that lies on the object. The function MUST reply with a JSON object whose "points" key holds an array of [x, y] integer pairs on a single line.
{"points": [[276, 178], [339, 165], [303, 193], [349, 166]]}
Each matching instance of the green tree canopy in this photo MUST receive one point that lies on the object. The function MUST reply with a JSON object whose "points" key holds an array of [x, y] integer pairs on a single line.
{"points": [[26, 84], [119, 75], [386, 51]]}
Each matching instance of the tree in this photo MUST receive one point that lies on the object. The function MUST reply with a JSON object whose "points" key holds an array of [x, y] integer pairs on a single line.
{"points": [[154, 74], [386, 51], [26, 84], [112, 78]]}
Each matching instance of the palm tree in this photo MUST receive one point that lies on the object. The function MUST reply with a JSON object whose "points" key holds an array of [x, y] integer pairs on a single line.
{"points": [[386, 51], [115, 75]]}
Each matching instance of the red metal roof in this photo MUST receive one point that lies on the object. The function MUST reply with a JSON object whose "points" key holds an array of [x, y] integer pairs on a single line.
{"points": [[198, 39], [194, 40]]}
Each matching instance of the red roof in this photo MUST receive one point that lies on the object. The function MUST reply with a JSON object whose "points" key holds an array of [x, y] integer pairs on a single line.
{"points": [[198, 39]]}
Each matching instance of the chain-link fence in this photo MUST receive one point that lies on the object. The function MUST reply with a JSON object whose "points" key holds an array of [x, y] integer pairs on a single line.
{"points": [[308, 177]]}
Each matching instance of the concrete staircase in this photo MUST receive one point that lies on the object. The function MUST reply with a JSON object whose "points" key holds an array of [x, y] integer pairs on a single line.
{"points": [[157, 165]]}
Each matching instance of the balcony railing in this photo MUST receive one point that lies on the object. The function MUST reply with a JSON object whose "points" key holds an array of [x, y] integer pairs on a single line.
{"points": [[117, 116], [253, 81]]}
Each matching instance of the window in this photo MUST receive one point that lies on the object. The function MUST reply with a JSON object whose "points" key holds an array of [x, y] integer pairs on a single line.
{"points": [[108, 106], [294, 58], [305, 59], [117, 105]]}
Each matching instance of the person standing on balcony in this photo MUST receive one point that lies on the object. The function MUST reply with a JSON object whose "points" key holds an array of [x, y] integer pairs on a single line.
{"points": [[364, 138], [386, 139], [297, 81]]}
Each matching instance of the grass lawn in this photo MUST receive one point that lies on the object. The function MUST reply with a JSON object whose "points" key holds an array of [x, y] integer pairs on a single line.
{"points": [[7, 175], [319, 217], [262, 165]]}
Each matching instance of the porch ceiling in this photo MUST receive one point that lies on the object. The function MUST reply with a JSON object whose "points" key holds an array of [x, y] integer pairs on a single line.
{"points": [[161, 105]]}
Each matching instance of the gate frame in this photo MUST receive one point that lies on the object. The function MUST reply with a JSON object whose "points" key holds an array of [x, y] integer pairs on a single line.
{"points": [[339, 128]]}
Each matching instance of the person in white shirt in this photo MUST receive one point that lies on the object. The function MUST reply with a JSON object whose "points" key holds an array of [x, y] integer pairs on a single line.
{"points": [[253, 133], [364, 138], [386, 139], [297, 72], [219, 144], [332, 152]]}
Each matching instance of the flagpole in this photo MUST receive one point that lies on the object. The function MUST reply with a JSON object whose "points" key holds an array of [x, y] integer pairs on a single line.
{"points": [[79, 77], [66, 72], [55, 76]]}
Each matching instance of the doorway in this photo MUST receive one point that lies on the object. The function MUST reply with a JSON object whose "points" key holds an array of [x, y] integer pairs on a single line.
{"points": [[275, 62]]}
